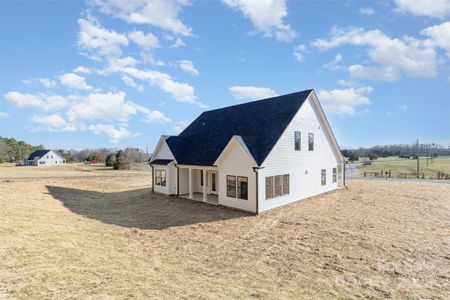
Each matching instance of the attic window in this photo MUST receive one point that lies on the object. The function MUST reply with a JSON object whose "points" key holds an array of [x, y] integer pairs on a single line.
{"points": [[297, 140], [311, 141]]}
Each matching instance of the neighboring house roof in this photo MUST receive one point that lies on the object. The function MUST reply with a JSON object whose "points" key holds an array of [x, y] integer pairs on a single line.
{"points": [[162, 162], [259, 123], [38, 154]]}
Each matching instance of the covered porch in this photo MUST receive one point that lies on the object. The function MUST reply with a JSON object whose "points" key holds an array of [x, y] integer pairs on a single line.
{"points": [[199, 183]]}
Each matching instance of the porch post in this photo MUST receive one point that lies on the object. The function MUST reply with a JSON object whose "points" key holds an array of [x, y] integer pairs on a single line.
{"points": [[190, 184], [204, 185]]}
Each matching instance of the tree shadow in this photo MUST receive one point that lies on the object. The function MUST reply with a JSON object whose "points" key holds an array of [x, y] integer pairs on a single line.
{"points": [[140, 208]]}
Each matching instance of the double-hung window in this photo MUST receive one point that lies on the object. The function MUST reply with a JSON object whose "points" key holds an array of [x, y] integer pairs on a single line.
{"points": [[323, 174], [334, 175], [231, 186], [160, 177], [277, 186], [237, 187]]}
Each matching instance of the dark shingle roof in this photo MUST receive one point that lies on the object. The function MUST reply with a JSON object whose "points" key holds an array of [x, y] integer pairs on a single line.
{"points": [[162, 162], [259, 123], [38, 154]]}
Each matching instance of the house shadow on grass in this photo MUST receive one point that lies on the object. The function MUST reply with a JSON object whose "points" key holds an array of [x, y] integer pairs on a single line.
{"points": [[140, 208]]}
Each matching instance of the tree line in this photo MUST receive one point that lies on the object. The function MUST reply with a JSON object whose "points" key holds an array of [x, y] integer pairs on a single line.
{"points": [[12, 150], [401, 150]]}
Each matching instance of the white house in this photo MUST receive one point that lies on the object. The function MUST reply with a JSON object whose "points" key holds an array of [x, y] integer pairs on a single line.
{"points": [[44, 158], [253, 156]]}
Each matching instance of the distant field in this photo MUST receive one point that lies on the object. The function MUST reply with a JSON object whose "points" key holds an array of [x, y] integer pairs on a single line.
{"points": [[399, 166], [8, 170]]}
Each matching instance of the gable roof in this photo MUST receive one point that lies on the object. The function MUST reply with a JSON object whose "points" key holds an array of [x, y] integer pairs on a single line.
{"points": [[38, 154], [259, 123]]}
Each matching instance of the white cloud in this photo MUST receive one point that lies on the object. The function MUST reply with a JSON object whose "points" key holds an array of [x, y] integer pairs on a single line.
{"points": [[45, 82], [251, 92], [431, 8], [3, 115], [152, 116], [344, 101], [439, 35], [375, 73], [41, 101], [146, 41], [24, 100], [81, 69], [366, 10], [181, 92], [53, 122], [334, 64], [115, 134], [131, 83], [106, 106], [299, 52], [74, 81], [188, 67], [99, 42], [406, 56], [266, 16], [158, 13], [178, 43]]}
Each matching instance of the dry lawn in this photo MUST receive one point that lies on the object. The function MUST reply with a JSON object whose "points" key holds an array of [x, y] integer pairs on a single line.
{"points": [[109, 237]]}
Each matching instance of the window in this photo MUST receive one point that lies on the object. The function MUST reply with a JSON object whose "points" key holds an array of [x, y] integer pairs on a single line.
{"points": [[311, 141], [278, 189], [160, 177], [324, 177], [286, 184], [163, 178], [334, 175], [277, 186], [242, 188], [269, 187], [297, 140], [231, 186]]}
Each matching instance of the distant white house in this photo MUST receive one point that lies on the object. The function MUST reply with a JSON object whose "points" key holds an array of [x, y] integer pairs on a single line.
{"points": [[253, 156], [44, 158]]}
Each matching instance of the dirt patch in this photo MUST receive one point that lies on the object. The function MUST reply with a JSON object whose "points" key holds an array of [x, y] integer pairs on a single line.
{"points": [[81, 237]]}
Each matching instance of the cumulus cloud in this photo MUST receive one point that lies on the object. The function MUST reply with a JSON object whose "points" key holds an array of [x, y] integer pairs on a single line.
{"points": [[434, 8], [81, 69], [131, 83], [266, 16], [242, 93], [299, 52], [406, 56], [159, 13], [53, 122], [74, 81], [439, 36], [114, 134], [188, 67], [146, 41], [334, 65], [344, 101], [41, 101], [98, 42], [45, 82]]}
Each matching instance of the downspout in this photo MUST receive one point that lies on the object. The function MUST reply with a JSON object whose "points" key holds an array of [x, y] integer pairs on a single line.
{"points": [[178, 180], [153, 178], [255, 169], [344, 172]]}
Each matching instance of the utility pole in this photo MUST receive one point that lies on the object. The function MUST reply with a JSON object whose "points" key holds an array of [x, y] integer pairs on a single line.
{"points": [[417, 158]]}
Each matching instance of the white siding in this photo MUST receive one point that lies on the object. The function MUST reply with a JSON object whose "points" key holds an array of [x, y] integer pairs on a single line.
{"points": [[237, 162], [162, 151], [304, 167], [50, 159]]}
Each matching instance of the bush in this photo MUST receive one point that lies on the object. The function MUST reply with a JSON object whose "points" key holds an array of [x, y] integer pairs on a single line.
{"points": [[122, 161], [110, 160]]}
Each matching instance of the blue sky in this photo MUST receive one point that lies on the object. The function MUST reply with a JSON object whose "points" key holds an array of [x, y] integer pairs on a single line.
{"points": [[117, 73]]}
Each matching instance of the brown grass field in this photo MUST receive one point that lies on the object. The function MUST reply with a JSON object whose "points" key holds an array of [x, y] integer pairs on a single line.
{"points": [[87, 232]]}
